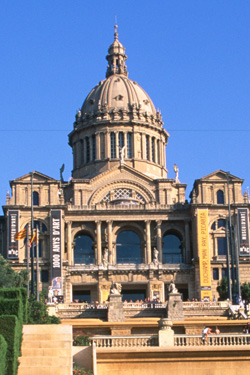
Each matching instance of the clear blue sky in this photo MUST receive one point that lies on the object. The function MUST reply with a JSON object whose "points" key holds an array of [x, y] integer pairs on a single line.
{"points": [[192, 57]]}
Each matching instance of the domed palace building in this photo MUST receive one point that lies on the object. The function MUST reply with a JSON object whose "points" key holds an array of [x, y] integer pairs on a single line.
{"points": [[120, 218]]}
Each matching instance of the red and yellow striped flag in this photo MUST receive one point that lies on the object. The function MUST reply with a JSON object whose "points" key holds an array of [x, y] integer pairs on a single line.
{"points": [[35, 238], [20, 235]]}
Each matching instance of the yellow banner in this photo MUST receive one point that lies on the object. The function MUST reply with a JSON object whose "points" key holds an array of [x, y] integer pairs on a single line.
{"points": [[204, 256]]}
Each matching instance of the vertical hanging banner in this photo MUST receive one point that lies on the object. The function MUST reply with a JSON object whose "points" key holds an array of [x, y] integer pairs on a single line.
{"points": [[243, 231], [204, 255], [56, 250], [13, 227]]}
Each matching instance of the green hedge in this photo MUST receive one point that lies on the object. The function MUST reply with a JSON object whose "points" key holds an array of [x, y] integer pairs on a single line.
{"points": [[3, 352], [16, 293], [12, 307], [11, 330]]}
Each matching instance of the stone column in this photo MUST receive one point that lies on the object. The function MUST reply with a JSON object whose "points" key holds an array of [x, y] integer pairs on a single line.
{"points": [[165, 334], [69, 244], [150, 148], [187, 256], [99, 241], [106, 145], [98, 148], [163, 154], [143, 149], [148, 242], [159, 239], [90, 148], [125, 144], [110, 242]]}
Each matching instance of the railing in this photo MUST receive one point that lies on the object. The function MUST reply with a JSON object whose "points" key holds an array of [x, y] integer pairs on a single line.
{"points": [[81, 306], [114, 207], [123, 341], [212, 340], [205, 305], [144, 305]]}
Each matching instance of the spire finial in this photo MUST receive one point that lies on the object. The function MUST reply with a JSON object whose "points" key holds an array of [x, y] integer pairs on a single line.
{"points": [[116, 34]]}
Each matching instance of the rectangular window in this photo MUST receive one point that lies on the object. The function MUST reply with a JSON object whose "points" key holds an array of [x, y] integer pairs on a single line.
{"points": [[222, 245], [44, 276], [87, 150], [129, 145], [93, 148], [81, 152], [216, 273], [153, 150], [121, 140], [112, 146], [102, 148]]}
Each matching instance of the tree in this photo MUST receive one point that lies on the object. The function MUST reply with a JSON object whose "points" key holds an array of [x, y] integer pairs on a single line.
{"points": [[245, 291], [222, 289], [9, 278]]}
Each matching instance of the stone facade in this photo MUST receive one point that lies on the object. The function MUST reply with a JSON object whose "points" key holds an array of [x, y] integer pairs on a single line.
{"points": [[120, 188]]}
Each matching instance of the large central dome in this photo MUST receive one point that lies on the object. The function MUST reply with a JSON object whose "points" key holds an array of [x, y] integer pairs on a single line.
{"points": [[117, 93], [118, 123]]}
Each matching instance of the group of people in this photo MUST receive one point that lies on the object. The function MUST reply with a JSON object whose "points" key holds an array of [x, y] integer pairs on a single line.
{"points": [[207, 331]]}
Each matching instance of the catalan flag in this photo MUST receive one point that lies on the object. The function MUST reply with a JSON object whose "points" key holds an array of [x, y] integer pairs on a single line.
{"points": [[35, 238], [20, 235]]}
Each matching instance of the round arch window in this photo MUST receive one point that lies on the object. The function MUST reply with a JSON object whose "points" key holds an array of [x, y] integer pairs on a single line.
{"points": [[83, 250], [171, 249], [128, 248]]}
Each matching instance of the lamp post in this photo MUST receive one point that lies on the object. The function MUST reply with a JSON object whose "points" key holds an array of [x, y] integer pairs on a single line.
{"points": [[231, 244]]}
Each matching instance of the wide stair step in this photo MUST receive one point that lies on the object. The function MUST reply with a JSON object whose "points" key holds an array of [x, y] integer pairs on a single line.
{"points": [[46, 350]]}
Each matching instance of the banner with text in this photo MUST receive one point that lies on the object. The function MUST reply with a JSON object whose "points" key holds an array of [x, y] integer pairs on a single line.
{"points": [[243, 232], [56, 250], [13, 227], [204, 255]]}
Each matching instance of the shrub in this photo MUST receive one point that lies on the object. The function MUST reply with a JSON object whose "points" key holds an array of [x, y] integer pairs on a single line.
{"points": [[16, 293], [80, 338], [3, 353], [38, 313], [11, 330], [81, 371]]}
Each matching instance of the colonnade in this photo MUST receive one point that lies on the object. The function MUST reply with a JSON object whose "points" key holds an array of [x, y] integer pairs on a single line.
{"points": [[98, 147]]}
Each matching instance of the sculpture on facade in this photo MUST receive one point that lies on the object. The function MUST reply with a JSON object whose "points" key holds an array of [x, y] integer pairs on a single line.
{"points": [[156, 256], [105, 257], [61, 172], [176, 169], [116, 288], [172, 288], [122, 154]]}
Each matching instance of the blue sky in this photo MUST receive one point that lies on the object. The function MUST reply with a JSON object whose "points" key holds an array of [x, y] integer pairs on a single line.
{"points": [[191, 57]]}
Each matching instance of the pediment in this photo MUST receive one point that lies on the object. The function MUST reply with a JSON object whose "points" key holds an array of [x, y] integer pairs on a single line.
{"points": [[219, 176], [122, 171], [122, 182], [37, 177]]}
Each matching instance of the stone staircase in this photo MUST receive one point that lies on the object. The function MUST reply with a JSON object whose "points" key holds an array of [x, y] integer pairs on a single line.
{"points": [[46, 350]]}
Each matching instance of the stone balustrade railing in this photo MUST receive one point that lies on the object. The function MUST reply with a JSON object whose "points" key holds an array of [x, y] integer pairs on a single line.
{"points": [[212, 340], [179, 341], [147, 206], [124, 341], [205, 305]]}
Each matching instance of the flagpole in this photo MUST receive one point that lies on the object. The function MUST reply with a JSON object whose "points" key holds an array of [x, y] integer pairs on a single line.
{"points": [[28, 258], [37, 263], [32, 245]]}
